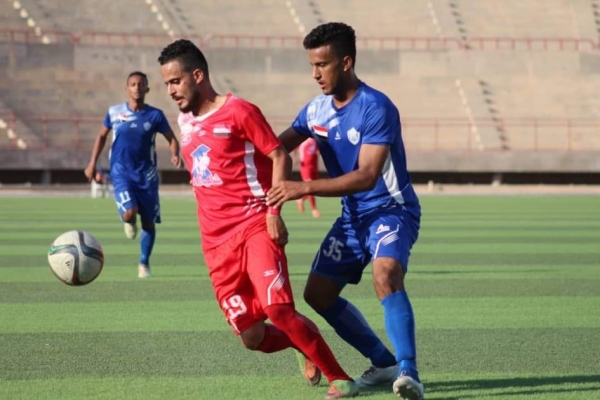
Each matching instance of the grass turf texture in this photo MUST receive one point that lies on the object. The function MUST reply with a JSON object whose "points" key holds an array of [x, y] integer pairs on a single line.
{"points": [[506, 292]]}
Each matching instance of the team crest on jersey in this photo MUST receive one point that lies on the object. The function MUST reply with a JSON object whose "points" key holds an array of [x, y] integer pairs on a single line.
{"points": [[201, 174], [353, 136], [147, 126]]}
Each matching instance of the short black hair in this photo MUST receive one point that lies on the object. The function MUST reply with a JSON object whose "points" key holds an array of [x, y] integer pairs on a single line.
{"points": [[138, 73], [339, 36], [190, 57]]}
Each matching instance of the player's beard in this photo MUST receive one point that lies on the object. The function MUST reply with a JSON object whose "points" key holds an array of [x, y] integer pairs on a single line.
{"points": [[192, 104]]}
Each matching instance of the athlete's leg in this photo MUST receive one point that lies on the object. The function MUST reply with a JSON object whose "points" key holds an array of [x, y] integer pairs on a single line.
{"points": [[149, 211], [313, 174], [268, 272], [339, 261], [391, 238], [127, 206]]}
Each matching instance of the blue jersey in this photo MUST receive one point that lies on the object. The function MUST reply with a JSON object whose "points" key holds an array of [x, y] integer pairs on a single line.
{"points": [[369, 118], [133, 151]]}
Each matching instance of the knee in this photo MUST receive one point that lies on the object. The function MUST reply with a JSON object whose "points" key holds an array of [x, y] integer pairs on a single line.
{"points": [[388, 276], [318, 300], [252, 338], [147, 226], [280, 314], [129, 215]]}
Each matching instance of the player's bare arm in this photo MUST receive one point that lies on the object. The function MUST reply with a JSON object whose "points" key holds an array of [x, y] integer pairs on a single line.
{"points": [[96, 150], [174, 147], [370, 164], [282, 166], [290, 139]]}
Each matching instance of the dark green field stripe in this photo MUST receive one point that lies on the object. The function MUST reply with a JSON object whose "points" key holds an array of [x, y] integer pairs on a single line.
{"points": [[30, 356], [183, 290]]}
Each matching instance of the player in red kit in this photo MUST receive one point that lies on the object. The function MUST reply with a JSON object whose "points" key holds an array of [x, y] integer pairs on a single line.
{"points": [[233, 158], [308, 155]]}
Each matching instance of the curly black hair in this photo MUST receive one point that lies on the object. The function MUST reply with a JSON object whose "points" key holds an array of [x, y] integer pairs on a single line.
{"points": [[190, 57], [339, 36], [140, 74]]}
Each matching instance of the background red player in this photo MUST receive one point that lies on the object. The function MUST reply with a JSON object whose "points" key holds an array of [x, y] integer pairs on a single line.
{"points": [[308, 158]]}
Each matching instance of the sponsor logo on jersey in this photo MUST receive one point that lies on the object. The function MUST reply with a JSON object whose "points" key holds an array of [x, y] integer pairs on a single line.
{"points": [[201, 174], [353, 136], [382, 228], [320, 130], [338, 136], [185, 138], [133, 125]]}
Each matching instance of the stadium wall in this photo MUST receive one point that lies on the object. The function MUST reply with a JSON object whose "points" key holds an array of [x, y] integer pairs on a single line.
{"points": [[66, 166]]}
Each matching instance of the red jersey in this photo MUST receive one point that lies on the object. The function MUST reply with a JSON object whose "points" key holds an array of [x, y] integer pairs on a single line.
{"points": [[225, 153], [309, 154]]}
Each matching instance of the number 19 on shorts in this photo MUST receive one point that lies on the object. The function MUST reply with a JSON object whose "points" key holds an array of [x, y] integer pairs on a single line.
{"points": [[234, 307]]}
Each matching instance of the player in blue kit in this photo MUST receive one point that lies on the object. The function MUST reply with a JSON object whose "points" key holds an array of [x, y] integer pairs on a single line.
{"points": [[133, 162], [358, 132]]}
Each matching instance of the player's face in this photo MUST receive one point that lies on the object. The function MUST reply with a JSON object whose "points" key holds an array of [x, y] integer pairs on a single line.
{"points": [[182, 86], [137, 87], [327, 68]]}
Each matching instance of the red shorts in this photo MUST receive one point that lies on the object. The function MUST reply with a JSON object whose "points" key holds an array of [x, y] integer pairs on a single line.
{"points": [[309, 173], [249, 272]]}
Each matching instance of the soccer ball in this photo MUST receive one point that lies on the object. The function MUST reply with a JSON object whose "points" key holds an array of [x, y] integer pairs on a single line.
{"points": [[76, 258]]}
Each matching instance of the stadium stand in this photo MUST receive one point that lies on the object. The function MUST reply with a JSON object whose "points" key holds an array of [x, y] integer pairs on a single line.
{"points": [[93, 15], [529, 18], [400, 18], [243, 17], [484, 75]]}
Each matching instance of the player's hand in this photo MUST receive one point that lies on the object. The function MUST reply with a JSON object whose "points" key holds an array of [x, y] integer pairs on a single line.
{"points": [[284, 191], [90, 171], [277, 230], [177, 161]]}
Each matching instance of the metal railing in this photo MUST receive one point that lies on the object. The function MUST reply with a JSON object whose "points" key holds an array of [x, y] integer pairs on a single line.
{"points": [[151, 39], [47, 131]]}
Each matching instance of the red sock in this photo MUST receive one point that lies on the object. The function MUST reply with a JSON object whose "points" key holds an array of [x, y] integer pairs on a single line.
{"points": [[275, 340], [312, 202], [306, 336]]}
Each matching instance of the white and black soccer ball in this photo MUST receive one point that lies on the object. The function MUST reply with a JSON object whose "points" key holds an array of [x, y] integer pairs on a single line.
{"points": [[76, 258]]}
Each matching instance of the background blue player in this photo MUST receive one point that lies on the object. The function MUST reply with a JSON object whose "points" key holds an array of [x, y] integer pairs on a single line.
{"points": [[133, 162], [358, 132]]}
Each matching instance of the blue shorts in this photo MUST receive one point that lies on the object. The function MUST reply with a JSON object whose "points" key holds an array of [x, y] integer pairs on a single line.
{"points": [[128, 196], [351, 244]]}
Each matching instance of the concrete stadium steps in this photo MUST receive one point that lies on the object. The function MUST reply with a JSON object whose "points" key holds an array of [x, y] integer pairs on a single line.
{"points": [[547, 97], [10, 18], [16, 130], [239, 17], [523, 18], [93, 15], [381, 17]]}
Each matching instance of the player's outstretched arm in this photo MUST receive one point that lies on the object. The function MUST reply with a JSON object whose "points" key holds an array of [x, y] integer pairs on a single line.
{"points": [[290, 139], [174, 146], [370, 164], [99, 144]]}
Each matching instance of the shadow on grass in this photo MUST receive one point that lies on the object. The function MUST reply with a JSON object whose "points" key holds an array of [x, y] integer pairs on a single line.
{"points": [[513, 386]]}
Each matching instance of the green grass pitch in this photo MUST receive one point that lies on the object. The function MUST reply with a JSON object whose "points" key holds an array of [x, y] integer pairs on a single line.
{"points": [[506, 293]]}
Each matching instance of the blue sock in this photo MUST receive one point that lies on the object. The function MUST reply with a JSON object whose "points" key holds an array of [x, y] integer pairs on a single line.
{"points": [[400, 327], [351, 326], [147, 244]]}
